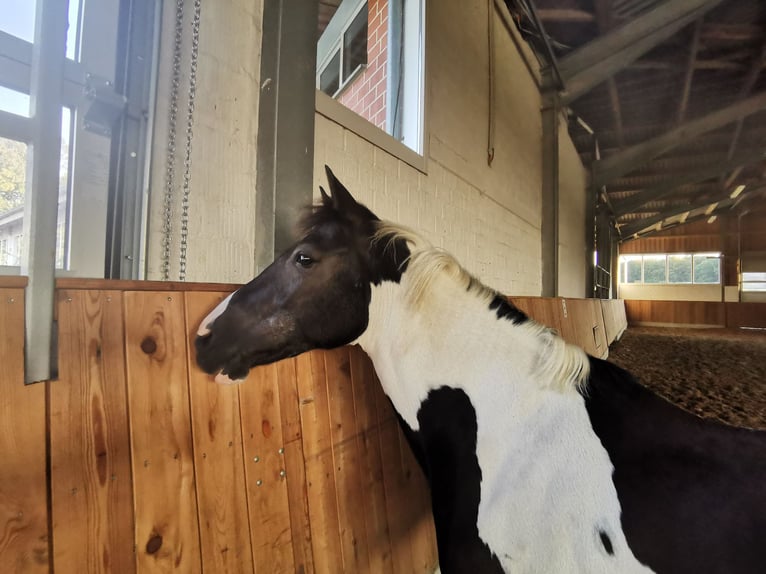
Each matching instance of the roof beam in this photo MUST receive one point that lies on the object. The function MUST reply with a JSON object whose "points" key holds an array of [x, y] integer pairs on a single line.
{"points": [[723, 202], [693, 48], [564, 15], [667, 188], [604, 22], [600, 59], [634, 157]]}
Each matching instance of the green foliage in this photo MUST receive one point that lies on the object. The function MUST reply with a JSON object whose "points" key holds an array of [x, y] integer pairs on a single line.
{"points": [[654, 270], [707, 269], [634, 271], [13, 167], [679, 269]]}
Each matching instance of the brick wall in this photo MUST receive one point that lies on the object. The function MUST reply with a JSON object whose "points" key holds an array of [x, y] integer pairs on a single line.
{"points": [[366, 95]]}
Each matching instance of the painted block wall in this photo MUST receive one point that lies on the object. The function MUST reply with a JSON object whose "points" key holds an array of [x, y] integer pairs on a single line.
{"points": [[575, 251], [489, 217], [221, 242]]}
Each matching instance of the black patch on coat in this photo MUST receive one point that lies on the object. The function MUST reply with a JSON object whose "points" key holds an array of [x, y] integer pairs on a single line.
{"points": [[507, 310], [606, 542], [691, 490], [446, 447]]}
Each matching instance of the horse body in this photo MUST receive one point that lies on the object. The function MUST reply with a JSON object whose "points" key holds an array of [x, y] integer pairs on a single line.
{"points": [[539, 458], [544, 496]]}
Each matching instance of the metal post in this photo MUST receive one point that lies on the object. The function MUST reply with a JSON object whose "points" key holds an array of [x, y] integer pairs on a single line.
{"points": [[285, 122], [41, 203], [549, 229]]}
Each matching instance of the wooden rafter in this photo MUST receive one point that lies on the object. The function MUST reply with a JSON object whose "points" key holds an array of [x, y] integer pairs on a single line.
{"points": [[600, 59], [668, 187], [692, 59], [634, 157], [604, 22]]}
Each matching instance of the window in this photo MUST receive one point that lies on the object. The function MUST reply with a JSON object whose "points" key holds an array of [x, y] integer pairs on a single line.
{"points": [[754, 282], [670, 269], [370, 59], [91, 85], [707, 268], [349, 55], [679, 268]]}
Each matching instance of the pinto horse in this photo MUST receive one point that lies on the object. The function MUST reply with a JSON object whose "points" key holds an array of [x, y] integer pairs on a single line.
{"points": [[540, 458]]}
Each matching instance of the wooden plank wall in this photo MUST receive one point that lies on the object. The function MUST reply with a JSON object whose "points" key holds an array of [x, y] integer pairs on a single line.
{"points": [[696, 313], [592, 324], [155, 468]]}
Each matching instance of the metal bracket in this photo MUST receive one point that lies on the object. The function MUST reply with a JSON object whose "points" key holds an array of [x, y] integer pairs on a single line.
{"points": [[103, 107]]}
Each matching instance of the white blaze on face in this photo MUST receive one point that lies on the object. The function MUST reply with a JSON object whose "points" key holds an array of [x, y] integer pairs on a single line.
{"points": [[204, 326]]}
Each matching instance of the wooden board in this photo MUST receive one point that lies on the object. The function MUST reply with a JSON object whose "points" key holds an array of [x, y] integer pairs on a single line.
{"points": [[615, 322], [317, 450], [292, 436], [544, 310], [751, 315], [265, 471], [703, 313], [346, 461], [91, 483], [218, 458], [582, 324], [167, 532], [363, 383], [23, 496]]}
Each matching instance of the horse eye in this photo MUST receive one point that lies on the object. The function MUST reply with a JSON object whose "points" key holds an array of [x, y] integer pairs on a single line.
{"points": [[304, 260]]}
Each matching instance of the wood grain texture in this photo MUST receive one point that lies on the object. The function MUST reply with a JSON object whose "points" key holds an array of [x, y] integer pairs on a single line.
{"points": [[23, 496], [615, 322], [709, 313], [368, 426], [395, 485], [544, 310], [218, 458], [91, 483], [268, 503], [317, 451], [167, 532], [292, 435], [347, 461]]}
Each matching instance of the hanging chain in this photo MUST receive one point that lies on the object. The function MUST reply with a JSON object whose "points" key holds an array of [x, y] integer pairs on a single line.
{"points": [[189, 137], [167, 212]]}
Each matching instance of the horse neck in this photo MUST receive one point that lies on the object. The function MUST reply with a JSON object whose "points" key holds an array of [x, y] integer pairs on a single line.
{"points": [[452, 339]]}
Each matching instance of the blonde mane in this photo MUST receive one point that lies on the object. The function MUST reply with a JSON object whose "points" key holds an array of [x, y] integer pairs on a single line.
{"points": [[560, 364]]}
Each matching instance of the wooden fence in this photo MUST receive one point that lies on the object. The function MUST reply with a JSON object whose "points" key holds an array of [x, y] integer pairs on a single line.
{"points": [[134, 461], [696, 313]]}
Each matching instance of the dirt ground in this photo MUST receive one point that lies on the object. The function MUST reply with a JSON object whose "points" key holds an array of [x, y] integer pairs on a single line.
{"points": [[714, 373]]}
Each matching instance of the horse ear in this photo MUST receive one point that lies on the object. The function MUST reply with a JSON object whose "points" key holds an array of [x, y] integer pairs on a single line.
{"points": [[341, 198], [326, 199]]}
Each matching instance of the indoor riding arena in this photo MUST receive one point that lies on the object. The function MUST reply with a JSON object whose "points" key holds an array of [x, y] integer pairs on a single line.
{"points": [[522, 328]]}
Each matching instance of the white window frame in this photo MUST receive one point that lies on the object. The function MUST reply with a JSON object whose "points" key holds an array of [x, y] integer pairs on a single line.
{"points": [[623, 271], [336, 112], [336, 30]]}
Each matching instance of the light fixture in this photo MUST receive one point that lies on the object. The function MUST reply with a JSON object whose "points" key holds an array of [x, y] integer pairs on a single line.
{"points": [[739, 189], [712, 219]]}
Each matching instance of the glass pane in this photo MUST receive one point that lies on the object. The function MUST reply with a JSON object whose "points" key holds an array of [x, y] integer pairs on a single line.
{"points": [[634, 270], [73, 32], [707, 268], [751, 276], [355, 44], [17, 17], [14, 102], [679, 268], [654, 269], [329, 79], [754, 286], [621, 271], [13, 165]]}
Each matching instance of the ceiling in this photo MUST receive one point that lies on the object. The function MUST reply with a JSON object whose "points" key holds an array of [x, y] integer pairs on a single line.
{"points": [[679, 122]]}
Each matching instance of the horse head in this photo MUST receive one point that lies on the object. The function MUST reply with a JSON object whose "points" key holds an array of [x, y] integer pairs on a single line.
{"points": [[314, 295]]}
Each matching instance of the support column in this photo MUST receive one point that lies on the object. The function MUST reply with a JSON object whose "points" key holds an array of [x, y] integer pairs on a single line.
{"points": [[285, 123], [549, 230]]}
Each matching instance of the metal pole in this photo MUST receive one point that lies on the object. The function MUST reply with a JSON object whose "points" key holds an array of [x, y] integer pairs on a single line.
{"points": [[41, 202]]}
